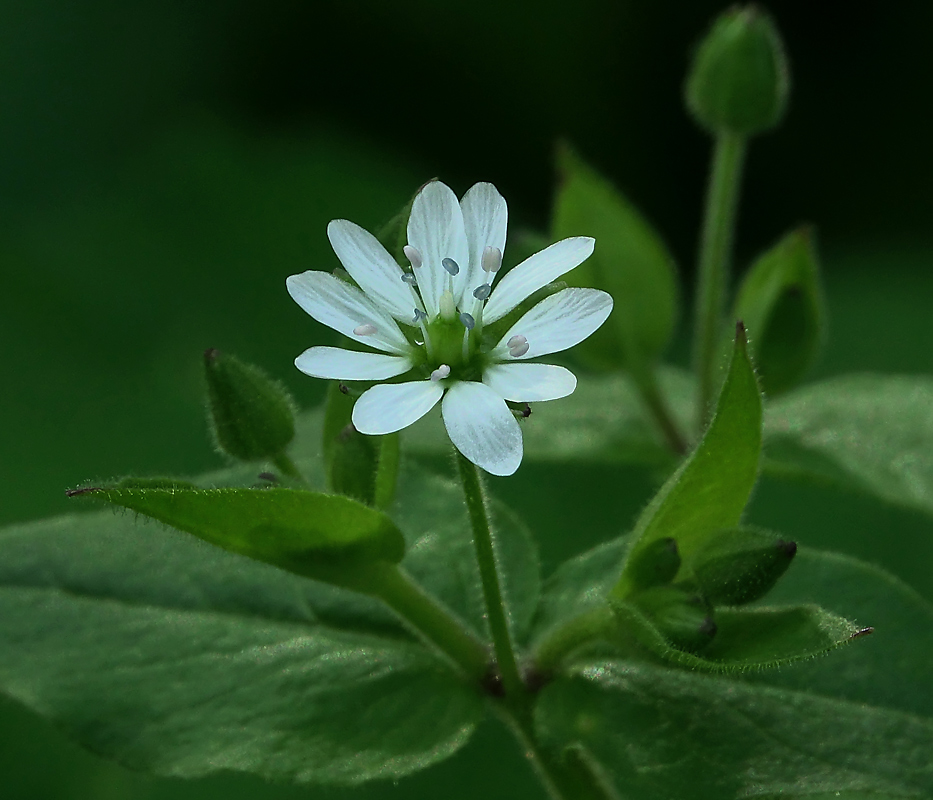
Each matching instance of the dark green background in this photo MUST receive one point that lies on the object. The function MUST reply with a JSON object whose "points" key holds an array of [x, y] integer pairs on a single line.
{"points": [[164, 166]]}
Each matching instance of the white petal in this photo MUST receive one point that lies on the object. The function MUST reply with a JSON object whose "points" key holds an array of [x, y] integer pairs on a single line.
{"points": [[389, 407], [482, 427], [343, 307], [536, 271], [529, 383], [435, 227], [485, 219], [371, 266], [350, 365], [558, 322]]}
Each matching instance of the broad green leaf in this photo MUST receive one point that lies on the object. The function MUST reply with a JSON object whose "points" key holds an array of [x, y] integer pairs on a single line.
{"points": [[781, 303], [663, 733], [872, 433], [173, 657], [708, 492], [603, 421], [307, 533], [630, 262], [440, 552]]}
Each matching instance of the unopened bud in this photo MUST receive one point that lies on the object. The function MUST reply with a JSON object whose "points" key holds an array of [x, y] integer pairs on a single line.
{"points": [[653, 564], [683, 618], [738, 81], [252, 416]]}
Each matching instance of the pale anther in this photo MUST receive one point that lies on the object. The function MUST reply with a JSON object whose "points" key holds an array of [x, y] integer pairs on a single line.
{"points": [[409, 278], [440, 373], [482, 292], [516, 341], [492, 259], [419, 316], [467, 320], [451, 266], [413, 255], [519, 351], [364, 330]]}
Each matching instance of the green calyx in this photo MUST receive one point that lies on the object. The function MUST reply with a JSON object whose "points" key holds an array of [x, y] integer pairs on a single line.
{"points": [[251, 415], [738, 82]]}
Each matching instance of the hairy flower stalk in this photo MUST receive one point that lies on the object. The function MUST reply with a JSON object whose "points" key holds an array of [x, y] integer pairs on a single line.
{"points": [[431, 323]]}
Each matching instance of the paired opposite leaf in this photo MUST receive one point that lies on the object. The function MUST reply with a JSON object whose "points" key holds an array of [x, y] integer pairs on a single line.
{"points": [[630, 262], [781, 303], [308, 533]]}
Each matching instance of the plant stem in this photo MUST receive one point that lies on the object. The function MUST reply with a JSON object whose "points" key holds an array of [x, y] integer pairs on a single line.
{"points": [[713, 265], [647, 383], [386, 471], [284, 464], [580, 630], [492, 593], [391, 585]]}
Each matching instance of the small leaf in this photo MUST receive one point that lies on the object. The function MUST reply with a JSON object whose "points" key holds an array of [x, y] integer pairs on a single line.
{"points": [[710, 489], [781, 303], [183, 660], [872, 433], [630, 262], [316, 535]]}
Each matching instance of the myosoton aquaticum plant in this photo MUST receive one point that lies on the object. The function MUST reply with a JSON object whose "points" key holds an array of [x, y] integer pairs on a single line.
{"points": [[353, 597]]}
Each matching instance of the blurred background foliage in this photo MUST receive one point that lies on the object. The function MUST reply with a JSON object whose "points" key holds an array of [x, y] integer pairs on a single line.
{"points": [[164, 166]]}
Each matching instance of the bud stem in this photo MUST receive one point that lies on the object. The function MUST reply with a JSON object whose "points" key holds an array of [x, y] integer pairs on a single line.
{"points": [[713, 263], [492, 593], [284, 464]]}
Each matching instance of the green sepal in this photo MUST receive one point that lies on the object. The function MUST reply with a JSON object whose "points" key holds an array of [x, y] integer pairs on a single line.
{"points": [[781, 303], [682, 617], [740, 565], [630, 261], [351, 458], [738, 82], [708, 492], [252, 416], [322, 536], [655, 564]]}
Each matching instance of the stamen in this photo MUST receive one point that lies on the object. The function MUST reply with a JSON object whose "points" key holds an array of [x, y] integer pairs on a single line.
{"points": [[440, 373], [365, 330], [451, 266], [518, 352], [482, 292], [409, 278], [420, 316], [492, 259], [516, 341], [468, 322], [413, 255]]}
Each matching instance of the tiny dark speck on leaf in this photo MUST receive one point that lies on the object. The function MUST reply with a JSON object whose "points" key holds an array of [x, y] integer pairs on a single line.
{"points": [[862, 632], [81, 490]]}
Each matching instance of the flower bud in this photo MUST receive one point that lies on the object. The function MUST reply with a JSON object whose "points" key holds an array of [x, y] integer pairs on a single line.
{"points": [[252, 416], [654, 564], [738, 82], [741, 565], [683, 618]]}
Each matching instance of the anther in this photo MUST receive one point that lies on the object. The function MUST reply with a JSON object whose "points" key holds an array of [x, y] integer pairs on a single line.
{"points": [[365, 330], [409, 278], [440, 373], [467, 320], [413, 255], [516, 341], [419, 316], [482, 292], [492, 259], [451, 266], [518, 352]]}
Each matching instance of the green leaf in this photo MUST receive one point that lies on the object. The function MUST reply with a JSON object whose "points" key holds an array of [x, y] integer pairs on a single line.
{"points": [[351, 459], [781, 303], [709, 490], [312, 534], [180, 659], [441, 557], [871, 433], [630, 262]]}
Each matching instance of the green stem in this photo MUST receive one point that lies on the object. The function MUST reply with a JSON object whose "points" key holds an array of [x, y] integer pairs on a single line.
{"points": [[492, 593], [713, 266], [431, 620], [647, 383], [284, 464], [599, 623], [386, 471]]}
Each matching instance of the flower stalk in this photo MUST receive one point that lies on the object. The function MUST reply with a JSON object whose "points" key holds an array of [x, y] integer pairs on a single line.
{"points": [[713, 264], [512, 682]]}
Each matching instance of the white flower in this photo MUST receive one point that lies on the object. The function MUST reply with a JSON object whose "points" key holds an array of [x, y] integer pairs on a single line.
{"points": [[433, 321]]}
